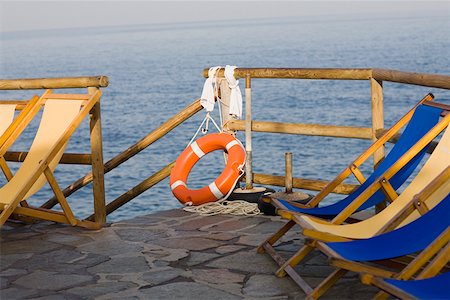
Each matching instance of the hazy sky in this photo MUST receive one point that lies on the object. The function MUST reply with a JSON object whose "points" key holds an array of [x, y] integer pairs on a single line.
{"points": [[29, 15]]}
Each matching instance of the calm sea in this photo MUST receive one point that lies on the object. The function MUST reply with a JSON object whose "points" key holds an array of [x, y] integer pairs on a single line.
{"points": [[155, 71]]}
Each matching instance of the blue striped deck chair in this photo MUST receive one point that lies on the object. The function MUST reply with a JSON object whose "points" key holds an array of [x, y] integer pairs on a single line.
{"points": [[421, 122], [414, 237], [436, 287]]}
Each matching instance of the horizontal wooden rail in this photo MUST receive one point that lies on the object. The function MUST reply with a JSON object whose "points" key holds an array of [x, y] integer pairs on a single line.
{"points": [[301, 183], [137, 190], [422, 79], [304, 129], [54, 83], [152, 137], [67, 158], [300, 73]]}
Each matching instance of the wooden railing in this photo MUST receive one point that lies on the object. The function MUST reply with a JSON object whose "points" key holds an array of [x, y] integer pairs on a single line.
{"points": [[422, 79], [376, 77]]}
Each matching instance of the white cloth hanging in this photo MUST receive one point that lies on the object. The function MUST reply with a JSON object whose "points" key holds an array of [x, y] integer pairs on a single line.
{"points": [[207, 98], [236, 96]]}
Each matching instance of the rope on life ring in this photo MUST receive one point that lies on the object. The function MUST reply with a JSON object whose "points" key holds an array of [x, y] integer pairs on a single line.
{"points": [[219, 189]]}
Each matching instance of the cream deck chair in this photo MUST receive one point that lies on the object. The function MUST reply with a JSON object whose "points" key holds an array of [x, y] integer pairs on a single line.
{"points": [[11, 128], [62, 114]]}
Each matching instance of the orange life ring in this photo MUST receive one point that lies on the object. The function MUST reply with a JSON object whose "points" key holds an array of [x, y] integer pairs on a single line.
{"points": [[223, 185]]}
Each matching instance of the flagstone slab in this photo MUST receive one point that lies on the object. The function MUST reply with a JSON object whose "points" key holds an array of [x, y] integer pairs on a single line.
{"points": [[17, 293], [67, 239], [200, 223], [189, 243], [13, 272], [221, 276], [248, 261], [196, 258], [157, 277], [56, 260], [120, 265], [101, 288], [141, 234], [7, 260], [252, 240], [175, 213], [268, 286], [266, 227], [229, 248], [4, 283], [178, 290], [52, 281], [165, 254], [111, 247], [24, 246], [236, 224]]}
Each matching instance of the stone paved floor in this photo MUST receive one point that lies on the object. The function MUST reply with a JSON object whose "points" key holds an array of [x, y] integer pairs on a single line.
{"points": [[167, 255]]}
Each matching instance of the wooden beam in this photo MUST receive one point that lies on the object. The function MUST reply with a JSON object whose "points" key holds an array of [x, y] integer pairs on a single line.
{"points": [[301, 183], [304, 129], [54, 83], [422, 79], [67, 158], [300, 73]]}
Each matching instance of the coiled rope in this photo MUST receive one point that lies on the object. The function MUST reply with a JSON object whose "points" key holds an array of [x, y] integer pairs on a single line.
{"points": [[236, 207]]}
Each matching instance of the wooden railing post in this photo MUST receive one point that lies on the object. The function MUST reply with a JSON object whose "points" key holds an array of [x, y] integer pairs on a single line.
{"points": [[225, 93], [248, 133], [97, 162], [376, 88]]}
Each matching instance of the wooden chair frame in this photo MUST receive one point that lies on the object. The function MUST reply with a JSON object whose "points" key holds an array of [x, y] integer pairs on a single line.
{"points": [[90, 106]]}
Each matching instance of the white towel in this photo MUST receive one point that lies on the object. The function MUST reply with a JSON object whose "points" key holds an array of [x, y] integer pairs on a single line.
{"points": [[207, 97], [236, 96]]}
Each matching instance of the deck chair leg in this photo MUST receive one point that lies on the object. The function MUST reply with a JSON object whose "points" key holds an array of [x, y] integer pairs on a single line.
{"points": [[276, 236], [381, 296], [60, 196], [5, 169], [294, 260], [326, 284]]}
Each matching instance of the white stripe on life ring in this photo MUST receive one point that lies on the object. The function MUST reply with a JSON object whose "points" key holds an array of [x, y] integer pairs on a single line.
{"points": [[231, 144], [215, 190], [197, 150], [177, 184]]}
